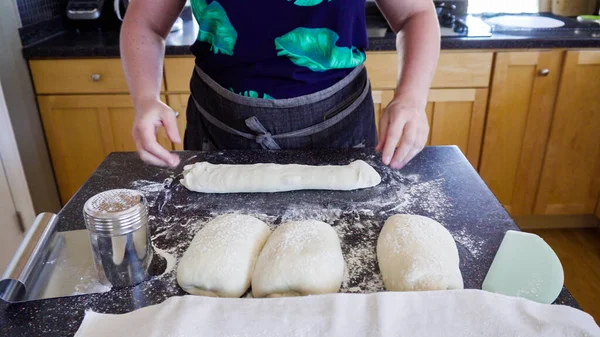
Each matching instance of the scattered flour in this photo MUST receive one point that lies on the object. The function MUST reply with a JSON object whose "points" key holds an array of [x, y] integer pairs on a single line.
{"points": [[169, 258], [357, 220], [90, 284], [472, 244], [147, 186], [156, 193]]}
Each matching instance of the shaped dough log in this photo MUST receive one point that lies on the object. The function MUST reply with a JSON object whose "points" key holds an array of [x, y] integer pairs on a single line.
{"points": [[210, 178], [300, 258], [222, 255], [417, 253]]}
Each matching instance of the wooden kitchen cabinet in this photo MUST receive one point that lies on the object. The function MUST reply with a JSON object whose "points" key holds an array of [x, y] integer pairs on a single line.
{"points": [[457, 102], [178, 102], [381, 99], [520, 112], [456, 117], [79, 76], [460, 69], [81, 130], [178, 72], [570, 177]]}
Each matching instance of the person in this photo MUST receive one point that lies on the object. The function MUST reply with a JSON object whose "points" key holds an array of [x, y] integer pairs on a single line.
{"points": [[278, 74]]}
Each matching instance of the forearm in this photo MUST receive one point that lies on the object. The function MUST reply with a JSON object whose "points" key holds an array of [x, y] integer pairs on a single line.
{"points": [[142, 53], [143, 33], [420, 52]]}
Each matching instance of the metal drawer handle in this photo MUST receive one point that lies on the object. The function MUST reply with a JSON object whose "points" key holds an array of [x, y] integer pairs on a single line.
{"points": [[95, 77], [544, 72]]}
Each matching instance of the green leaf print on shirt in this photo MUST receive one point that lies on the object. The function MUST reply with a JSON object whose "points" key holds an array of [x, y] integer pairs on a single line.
{"points": [[215, 27], [307, 3], [253, 94], [315, 48]]}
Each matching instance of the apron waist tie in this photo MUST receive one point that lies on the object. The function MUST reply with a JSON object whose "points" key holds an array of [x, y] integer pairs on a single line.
{"points": [[266, 139]]}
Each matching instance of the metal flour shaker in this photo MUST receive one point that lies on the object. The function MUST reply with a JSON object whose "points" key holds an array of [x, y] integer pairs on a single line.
{"points": [[117, 221]]}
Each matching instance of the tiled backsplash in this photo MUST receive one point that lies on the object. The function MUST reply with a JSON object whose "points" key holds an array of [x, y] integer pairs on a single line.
{"points": [[40, 19], [35, 11]]}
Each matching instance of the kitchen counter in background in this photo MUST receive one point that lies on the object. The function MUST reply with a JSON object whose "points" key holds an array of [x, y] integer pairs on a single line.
{"points": [[106, 43], [439, 183]]}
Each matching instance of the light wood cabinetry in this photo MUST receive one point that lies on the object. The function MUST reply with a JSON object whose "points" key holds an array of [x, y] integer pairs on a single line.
{"points": [[519, 116], [178, 71], [383, 70], [381, 99], [463, 70], [570, 177], [178, 102], [81, 130], [456, 117], [81, 76]]}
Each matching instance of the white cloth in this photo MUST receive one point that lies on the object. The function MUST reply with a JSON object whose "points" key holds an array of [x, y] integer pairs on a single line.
{"points": [[461, 313]]}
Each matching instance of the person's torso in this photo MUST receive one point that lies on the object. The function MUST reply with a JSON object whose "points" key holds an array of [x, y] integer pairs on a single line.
{"points": [[279, 48]]}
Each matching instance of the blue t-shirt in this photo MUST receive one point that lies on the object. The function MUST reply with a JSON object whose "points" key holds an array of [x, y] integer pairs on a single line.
{"points": [[279, 48]]}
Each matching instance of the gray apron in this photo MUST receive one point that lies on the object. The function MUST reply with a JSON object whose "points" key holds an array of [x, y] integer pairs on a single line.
{"points": [[341, 116]]}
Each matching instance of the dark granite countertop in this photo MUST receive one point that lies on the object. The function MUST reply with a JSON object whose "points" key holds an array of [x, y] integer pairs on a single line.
{"points": [[439, 183], [106, 43]]}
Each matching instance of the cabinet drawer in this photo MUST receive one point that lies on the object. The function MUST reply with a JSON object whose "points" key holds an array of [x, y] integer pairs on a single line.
{"points": [[383, 69], [463, 70], [178, 71], [78, 76], [454, 70]]}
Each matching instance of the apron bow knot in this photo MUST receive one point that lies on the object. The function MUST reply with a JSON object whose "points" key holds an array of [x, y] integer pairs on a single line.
{"points": [[264, 137], [261, 138]]}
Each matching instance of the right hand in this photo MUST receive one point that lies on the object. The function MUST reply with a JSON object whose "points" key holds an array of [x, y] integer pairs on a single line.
{"points": [[150, 116]]}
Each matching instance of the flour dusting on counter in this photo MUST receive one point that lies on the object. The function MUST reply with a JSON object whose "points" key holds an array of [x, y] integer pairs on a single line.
{"points": [[357, 217], [357, 221]]}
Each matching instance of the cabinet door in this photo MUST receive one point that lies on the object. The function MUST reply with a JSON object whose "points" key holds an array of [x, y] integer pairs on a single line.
{"points": [[179, 103], [456, 117], [81, 130], [518, 121], [381, 99], [178, 71], [570, 181]]}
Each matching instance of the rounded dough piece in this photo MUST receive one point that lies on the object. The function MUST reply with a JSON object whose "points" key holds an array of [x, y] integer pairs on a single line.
{"points": [[300, 258], [417, 253], [222, 255]]}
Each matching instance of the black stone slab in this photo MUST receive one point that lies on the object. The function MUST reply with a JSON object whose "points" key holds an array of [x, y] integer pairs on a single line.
{"points": [[470, 207], [106, 43]]}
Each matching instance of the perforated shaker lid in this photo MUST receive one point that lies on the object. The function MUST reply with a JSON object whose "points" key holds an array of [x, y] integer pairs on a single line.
{"points": [[115, 211]]}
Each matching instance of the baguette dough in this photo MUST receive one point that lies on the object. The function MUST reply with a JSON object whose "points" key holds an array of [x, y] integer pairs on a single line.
{"points": [[222, 255], [417, 253], [210, 178], [300, 258]]}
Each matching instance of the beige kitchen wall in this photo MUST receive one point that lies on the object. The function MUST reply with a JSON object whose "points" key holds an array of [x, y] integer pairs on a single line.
{"points": [[23, 111]]}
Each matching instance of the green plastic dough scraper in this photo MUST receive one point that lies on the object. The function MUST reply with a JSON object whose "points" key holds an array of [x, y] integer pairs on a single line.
{"points": [[525, 266]]}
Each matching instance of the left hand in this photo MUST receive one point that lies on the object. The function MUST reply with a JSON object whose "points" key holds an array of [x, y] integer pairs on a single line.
{"points": [[406, 122]]}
